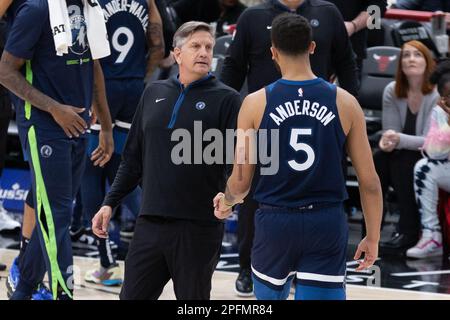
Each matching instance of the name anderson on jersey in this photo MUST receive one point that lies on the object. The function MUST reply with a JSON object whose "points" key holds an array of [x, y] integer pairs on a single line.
{"points": [[305, 108], [132, 7]]}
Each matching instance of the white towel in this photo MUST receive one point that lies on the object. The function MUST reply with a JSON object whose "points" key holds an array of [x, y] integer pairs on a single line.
{"points": [[60, 25], [95, 24]]}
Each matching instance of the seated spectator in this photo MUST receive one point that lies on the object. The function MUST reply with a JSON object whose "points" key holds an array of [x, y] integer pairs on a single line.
{"points": [[230, 12], [407, 105], [433, 171]]}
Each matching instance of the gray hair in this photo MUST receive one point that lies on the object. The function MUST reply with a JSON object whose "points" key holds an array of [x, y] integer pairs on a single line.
{"points": [[187, 29]]}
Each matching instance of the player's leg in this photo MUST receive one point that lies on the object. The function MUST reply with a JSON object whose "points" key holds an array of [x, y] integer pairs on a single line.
{"points": [[132, 92], [52, 163], [108, 272], [92, 194], [322, 267], [275, 251]]}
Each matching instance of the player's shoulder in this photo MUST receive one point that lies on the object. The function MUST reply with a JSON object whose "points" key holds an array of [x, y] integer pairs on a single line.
{"points": [[256, 98], [346, 98], [348, 106], [37, 6]]}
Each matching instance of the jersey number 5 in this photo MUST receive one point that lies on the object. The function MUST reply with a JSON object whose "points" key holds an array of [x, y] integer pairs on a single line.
{"points": [[123, 49], [297, 146]]}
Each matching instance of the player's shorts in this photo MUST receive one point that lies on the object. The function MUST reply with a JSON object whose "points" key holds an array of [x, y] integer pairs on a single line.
{"points": [[123, 98], [308, 243]]}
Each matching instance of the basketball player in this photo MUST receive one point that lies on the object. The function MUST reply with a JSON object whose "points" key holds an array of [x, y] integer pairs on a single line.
{"points": [[301, 228], [133, 32], [57, 93]]}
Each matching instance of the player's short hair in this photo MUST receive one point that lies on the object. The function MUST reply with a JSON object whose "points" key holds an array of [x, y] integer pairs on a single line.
{"points": [[291, 34], [187, 29]]}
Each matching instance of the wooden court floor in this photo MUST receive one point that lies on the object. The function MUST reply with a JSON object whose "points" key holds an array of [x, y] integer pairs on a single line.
{"points": [[222, 286]]}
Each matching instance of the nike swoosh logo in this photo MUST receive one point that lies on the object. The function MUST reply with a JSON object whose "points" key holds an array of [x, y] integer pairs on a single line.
{"points": [[269, 27], [158, 100]]}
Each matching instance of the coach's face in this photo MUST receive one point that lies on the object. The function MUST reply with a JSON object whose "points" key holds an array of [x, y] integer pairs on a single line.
{"points": [[195, 55]]}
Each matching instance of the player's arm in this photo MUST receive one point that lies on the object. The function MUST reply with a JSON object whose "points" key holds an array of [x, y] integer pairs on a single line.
{"points": [[102, 154], [239, 183], [4, 5], [155, 38], [358, 149], [13, 80]]}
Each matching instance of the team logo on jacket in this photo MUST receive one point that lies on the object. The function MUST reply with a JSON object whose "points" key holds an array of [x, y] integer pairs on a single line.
{"points": [[314, 23], [79, 30], [200, 105], [46, 151]]}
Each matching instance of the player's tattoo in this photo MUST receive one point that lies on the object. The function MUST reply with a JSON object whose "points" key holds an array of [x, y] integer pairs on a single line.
{"points": [[155, 41], [13, 80], [241, 158]]}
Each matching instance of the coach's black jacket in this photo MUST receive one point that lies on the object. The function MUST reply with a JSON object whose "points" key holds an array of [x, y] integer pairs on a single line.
{"points": [[249, 53], [183, 191]]}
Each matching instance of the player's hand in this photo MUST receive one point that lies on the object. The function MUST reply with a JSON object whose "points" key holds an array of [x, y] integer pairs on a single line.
{"points": [[102, 154], [100, 222], [221, 211], [68, 119], [370, 250]]}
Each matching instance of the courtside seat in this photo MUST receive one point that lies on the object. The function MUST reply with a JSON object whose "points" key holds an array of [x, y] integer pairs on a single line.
{"points": [[404, 31], [222, 45], [379, 69]]}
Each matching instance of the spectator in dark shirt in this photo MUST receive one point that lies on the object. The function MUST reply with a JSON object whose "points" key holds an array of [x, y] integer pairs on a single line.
{"points": [[356, 16]]}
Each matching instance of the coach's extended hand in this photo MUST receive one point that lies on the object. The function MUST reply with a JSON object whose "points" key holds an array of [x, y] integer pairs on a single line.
{"points": [[100, 222], [221, 209]]}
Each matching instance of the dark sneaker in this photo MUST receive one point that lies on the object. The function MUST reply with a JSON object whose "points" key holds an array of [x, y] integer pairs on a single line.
{"points": [[85, 239], [244, 283]]}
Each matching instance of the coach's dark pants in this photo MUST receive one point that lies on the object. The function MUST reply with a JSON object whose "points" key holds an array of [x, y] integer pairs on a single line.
{"points": [[185, 251]]}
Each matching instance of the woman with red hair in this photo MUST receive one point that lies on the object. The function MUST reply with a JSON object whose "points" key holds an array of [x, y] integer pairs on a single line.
{"points": [[407, 105]]}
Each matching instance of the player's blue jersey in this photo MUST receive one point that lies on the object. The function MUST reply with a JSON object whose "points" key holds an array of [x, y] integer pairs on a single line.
{"points": [[67, 79], [311, 145], [11, 12], [126, 22]]}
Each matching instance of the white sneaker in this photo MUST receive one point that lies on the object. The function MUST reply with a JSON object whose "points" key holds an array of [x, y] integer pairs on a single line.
{"points": [[429, 245], [6, 222], [111, 276]]}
